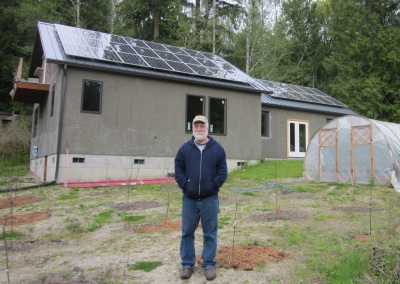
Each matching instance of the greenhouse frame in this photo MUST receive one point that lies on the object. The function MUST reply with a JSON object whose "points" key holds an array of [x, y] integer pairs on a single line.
{"points": [[355, 149]]}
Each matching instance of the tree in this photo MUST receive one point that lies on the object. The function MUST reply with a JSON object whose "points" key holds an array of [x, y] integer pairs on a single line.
{"points": [[146, 19], [364, 59]]}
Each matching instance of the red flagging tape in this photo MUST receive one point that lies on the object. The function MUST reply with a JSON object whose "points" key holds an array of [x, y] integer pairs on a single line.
{"points": [[101, 183]]}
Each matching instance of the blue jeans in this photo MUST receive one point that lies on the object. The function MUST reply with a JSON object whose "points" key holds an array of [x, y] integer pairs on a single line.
{"points": [[206, 210]]}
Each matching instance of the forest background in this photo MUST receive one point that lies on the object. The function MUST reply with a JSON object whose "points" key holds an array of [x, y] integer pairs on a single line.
{"points": [[347, 48]]}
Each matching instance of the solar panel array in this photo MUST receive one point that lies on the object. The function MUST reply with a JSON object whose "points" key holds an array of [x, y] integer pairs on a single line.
{"points": [[119, 49], [300, 93]]}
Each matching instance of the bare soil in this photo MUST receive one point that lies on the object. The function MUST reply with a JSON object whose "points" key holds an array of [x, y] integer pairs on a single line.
{"points": [[50, 253]]}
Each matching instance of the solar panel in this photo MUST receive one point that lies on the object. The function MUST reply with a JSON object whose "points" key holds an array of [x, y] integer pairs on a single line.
{"points": [[300, 93], [119, 49]]}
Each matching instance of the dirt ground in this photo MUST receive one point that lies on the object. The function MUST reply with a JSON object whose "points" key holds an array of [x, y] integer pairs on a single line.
{"points": [[50, 253], [239, 257]]}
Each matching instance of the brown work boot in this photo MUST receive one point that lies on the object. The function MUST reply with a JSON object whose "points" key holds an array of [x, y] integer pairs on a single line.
{"points": [[210, 273], [186, 273]]}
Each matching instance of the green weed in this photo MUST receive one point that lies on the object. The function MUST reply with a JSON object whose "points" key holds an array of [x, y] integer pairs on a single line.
{"points": [[145, 265]]}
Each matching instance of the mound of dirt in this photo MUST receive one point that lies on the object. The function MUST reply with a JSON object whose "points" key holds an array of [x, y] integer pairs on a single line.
{"points": [[248, 257], [17, 201], [17, 220]]}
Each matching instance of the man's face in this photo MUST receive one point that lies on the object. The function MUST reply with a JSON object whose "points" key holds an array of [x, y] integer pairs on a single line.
{"points": [[200, 131]]}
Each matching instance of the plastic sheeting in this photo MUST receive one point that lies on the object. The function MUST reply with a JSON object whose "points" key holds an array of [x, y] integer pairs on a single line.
{"points": [[355, 149]]}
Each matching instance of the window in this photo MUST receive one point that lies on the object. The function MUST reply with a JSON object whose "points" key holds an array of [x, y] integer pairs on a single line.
{"points": [[78, 160], [217, 116], [265, 124], [91, 96], [35, 122], [53, 91], [138, 161], [194, 106]]}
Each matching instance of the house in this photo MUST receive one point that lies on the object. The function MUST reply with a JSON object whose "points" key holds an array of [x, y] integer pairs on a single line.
{"points": [[291, 115], [113, 107]]}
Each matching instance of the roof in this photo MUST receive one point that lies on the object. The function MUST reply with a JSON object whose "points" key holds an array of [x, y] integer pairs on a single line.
{"points": [[299, 97], [48, 42], [90, 49]]}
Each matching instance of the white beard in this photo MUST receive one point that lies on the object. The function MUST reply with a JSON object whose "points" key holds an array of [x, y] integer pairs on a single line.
{"points": [[200, 136]]}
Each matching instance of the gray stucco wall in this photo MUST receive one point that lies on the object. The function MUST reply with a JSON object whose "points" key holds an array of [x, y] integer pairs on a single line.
{"points": [[47, 125], [276, 145], [146, 117], [141, 118]]}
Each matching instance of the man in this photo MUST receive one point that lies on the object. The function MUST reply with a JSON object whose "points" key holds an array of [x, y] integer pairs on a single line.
{"points": [[200, 171]]}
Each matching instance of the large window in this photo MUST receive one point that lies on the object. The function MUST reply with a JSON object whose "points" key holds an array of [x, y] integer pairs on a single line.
{"points": [[194, 106], [91, 96], [265, 125], [217, 116]]}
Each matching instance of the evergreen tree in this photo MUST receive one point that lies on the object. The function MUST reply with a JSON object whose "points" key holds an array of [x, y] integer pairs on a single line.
{"points": [[364, 59]]}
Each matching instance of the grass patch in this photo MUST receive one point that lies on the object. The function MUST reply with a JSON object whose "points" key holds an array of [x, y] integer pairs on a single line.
{"points": [[73, 194], [223, 221], [132, 218], [269, 170], [17, 170], [10, 235], [145, 265], [76, 226], [324, 217], [349, 268]]}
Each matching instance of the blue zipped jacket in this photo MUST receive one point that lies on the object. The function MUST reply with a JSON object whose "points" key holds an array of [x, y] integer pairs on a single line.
{"points": [[200, 174]]}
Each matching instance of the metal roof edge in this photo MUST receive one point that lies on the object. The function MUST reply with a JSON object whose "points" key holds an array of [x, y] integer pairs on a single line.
{"points": [[284, 103]]}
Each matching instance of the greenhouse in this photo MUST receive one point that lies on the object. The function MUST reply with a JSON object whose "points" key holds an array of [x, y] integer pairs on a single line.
{"points": [[354, 149]]}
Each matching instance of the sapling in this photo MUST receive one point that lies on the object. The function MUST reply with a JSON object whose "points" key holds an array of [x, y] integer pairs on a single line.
{"points": [[129, 173], [370, 209], [357, 172], [234, 231], [6, 250], [11, 198], [277, 189], [168, 188]]}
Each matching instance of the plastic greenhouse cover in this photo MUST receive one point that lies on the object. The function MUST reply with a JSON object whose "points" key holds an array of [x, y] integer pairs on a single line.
{"points": [[386, 153]]}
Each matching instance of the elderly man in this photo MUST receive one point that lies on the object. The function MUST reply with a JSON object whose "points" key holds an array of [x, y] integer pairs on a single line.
{"points": [[200, 171]]}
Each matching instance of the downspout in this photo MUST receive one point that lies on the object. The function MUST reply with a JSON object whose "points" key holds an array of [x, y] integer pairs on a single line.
{"points": [[60, 120]]}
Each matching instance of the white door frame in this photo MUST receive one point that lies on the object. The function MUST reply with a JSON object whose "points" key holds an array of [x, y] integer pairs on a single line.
{"points": [[297, 145]]}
